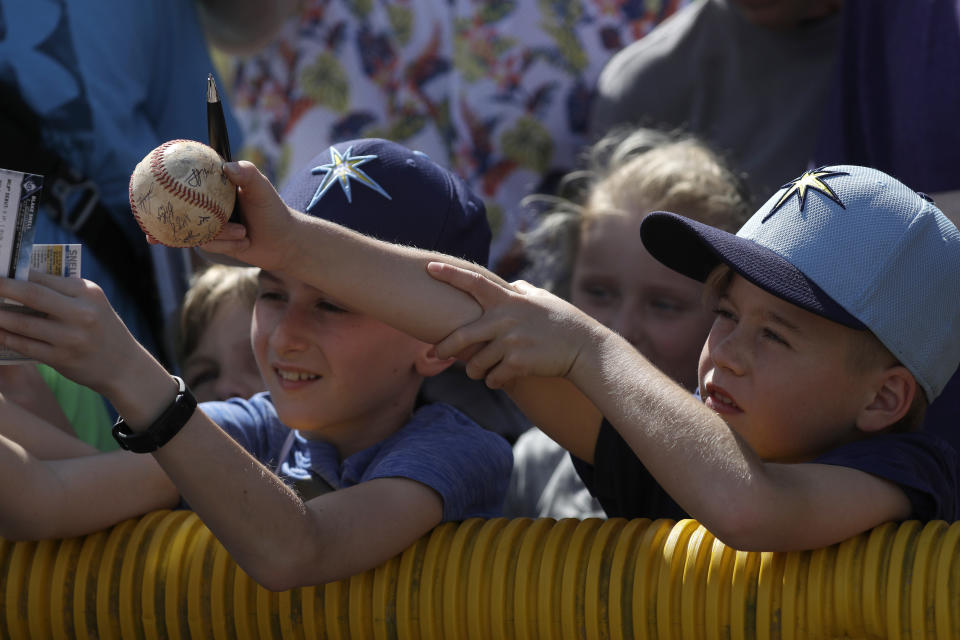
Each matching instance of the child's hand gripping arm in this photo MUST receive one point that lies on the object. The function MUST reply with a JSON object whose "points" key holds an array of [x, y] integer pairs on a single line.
{"points": [[528, 342], [709, 470]]}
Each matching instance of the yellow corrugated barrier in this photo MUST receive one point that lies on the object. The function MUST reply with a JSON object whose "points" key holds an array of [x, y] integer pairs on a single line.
{"points": [[165, 576]]}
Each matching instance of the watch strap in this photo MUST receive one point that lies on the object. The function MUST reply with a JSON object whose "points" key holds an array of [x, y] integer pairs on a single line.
{"points": [[163, 428]]}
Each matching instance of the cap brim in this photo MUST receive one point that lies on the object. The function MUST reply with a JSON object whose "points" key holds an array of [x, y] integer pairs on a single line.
{"points": [[695, 249]]}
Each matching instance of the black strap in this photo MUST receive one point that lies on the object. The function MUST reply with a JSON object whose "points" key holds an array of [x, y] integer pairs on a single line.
{"points": [[74, 203], [169, 424]]}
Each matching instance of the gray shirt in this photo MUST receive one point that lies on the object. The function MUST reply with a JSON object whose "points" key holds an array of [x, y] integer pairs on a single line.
{"points": [[754, 94]]}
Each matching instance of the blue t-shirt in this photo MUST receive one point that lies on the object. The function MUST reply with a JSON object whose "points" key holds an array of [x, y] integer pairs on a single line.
{"points": [[440, 447]]}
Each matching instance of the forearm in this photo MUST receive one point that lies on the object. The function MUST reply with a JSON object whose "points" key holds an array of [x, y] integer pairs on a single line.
{"points": [[258, 519], [652, 412], [42, 499], [387, 281], [247, 507], [560, 410], [42, 439], [276, 538]]}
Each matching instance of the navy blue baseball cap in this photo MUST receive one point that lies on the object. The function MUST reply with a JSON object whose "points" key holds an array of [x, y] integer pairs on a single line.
{"points": [[385, 190], [848, 243]]}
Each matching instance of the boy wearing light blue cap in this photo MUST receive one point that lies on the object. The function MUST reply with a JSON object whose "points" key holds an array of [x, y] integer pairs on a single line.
{"points": [[838, 311]]}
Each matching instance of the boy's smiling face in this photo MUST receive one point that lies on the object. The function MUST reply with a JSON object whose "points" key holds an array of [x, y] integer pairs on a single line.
{"points": [[780, 376], [332, 373]]}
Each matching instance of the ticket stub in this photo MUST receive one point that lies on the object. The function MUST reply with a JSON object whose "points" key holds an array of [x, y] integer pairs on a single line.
{"points": [[54, 259], [19, 202]]}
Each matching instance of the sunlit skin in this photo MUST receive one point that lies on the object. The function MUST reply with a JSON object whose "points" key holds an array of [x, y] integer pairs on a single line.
{"points": [[222, 366], [780, 376], [333, 374], [659, 311]]}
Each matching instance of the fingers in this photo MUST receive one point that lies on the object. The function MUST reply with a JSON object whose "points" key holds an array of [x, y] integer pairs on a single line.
{"points": [[483, 361], [50, 303], [60, 284], [253, 188], [524, 287], [44, 292], [482, 289], [232, 240], [494, 367], [466, 340], [231, 231], [27, 347], [243, 174]]}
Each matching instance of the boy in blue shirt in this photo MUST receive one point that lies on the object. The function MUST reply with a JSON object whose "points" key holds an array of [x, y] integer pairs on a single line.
{"points": [[335, 468], [836, 323]]}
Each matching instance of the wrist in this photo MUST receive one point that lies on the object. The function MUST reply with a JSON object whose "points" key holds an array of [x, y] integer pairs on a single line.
{"points": [[588, 357], [139, 389], [161, 429]]}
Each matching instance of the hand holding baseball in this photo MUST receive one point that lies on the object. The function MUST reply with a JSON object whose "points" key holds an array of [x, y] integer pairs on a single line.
{"points": [[180, 195], [270, 230]]}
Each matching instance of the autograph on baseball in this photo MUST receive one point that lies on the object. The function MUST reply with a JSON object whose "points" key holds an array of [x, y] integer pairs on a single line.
{"points": [[180, 195]]}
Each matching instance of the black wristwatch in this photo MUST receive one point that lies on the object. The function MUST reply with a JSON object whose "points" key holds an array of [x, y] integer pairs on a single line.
{"points": [[163, 428]]}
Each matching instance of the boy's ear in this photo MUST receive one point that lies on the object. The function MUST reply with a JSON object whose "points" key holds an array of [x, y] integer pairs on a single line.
{"points": [[428, 364], [892, 398]]}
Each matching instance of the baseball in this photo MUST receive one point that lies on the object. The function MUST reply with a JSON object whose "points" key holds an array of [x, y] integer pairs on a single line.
{"points": [[180, 195]]}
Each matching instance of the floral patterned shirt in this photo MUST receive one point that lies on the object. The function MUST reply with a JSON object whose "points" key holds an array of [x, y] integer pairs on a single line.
{"points": [[498, 90]]}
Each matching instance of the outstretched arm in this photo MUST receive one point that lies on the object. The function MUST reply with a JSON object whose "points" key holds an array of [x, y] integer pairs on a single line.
{"points": [[271, 533], [709, 470], [388, 282], [23, 385], [41, 438], [60, 498]]}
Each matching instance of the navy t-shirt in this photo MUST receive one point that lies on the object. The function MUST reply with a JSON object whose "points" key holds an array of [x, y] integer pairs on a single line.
{"points": [[922, 464]]}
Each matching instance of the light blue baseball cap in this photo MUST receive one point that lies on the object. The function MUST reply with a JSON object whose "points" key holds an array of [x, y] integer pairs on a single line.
{"points": [[851, 244]]}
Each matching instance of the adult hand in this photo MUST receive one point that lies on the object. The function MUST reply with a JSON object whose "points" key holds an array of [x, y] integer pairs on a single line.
{"points": [[527, 331]]}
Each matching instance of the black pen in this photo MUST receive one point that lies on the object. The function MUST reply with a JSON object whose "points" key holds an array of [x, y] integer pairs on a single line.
{"points": [[217, 130]]}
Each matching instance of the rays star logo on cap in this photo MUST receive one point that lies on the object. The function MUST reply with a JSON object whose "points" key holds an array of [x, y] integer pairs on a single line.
{"points": [[809, 180], [343, 169]]}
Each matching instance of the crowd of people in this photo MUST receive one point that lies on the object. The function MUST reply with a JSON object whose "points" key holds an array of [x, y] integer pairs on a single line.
{"points": [[523, 259]]}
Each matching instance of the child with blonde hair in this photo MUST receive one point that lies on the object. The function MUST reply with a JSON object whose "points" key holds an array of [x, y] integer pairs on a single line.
{"points": [[585, 250], [212, 343]]}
